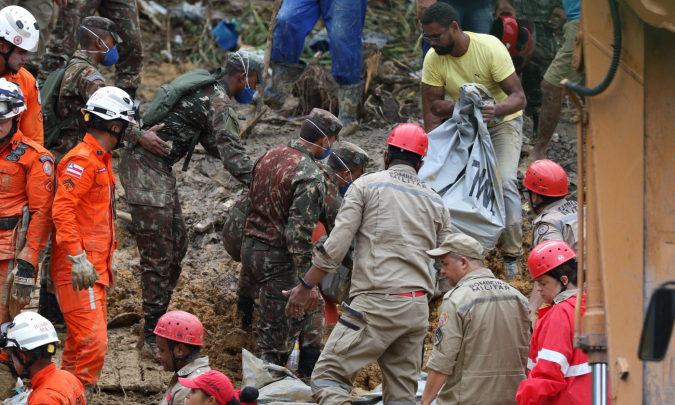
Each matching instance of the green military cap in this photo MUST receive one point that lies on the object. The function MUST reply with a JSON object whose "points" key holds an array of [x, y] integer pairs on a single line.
{"points": [[250, 61], [352, 155], [102, 23], [327, 120], [463, 245]]}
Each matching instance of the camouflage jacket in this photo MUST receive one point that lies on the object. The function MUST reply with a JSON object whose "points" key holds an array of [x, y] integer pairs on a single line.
{"points": [[333, 199], [208, 114], [287, 194], [80, 80], [538, 11]]}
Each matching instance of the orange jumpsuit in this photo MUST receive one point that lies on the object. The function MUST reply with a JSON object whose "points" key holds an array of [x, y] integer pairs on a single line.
{"points": [[30, 121], [83, 220], [26, 178], [52, 386]]}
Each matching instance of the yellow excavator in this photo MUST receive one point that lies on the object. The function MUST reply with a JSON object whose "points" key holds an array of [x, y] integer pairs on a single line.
{"points": [[626, 148]]}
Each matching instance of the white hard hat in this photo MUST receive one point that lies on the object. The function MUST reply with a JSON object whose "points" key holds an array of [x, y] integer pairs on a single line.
{"points": [[30, 330], [19, 27], [11, 99], [111, 103]]}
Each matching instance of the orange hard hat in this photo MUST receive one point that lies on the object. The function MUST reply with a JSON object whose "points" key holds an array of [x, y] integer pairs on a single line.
{"points": [[410, 137], [180, 326], [548, 255], [546, 177]]}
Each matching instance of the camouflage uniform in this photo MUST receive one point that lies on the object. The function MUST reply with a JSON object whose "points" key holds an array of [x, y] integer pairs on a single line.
{"points": [[64, 40], [150, 186], [287, 192], [547, 41], [42, 11]]}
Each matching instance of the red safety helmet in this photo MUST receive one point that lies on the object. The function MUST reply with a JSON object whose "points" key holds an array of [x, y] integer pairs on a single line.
{"points": [[548, 255], [517, 39], [546, 177], [180, 326], [410, 137]]}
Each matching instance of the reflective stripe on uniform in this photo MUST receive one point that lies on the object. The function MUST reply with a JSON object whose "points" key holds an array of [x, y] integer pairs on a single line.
{"points": [[560, 359], [92, 301], [406, 190]]}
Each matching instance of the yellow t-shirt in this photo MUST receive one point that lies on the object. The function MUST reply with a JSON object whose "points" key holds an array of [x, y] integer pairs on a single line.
{"points": [[487, 62]]}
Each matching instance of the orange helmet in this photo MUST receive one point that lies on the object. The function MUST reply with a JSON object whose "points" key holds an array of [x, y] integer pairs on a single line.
{"points": [[180, 326], [410, 137], [546, 177], [517, 39], [548, 255]]}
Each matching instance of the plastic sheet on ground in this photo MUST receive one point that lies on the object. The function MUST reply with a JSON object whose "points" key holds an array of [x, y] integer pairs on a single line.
{"points": [[462, 167], [421, 383]]}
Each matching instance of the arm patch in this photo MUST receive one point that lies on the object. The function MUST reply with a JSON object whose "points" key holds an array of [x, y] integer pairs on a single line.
{"points": [[94, 77]]}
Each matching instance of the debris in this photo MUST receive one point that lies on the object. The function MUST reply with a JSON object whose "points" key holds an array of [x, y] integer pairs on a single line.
{"points": [[204, 225], [378, 38], [153, 10], [316, 88], [124, 216], [193, 12], [320, 42], [226, 35], [123, 320], [269, 42], [274, 383], [252, 122]]}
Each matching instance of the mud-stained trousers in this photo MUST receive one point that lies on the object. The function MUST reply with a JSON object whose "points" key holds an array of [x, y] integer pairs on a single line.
{"points": [[159, 227], [85, 313], [4, 308], [273, 271], [389, 329]]}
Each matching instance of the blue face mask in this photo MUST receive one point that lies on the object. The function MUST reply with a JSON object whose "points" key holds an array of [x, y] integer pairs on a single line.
{"points": [[343, 189], [111, 57], [245, 96]]}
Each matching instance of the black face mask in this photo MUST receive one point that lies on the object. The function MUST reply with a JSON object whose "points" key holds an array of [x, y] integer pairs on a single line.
{"points": [[444, 50]]}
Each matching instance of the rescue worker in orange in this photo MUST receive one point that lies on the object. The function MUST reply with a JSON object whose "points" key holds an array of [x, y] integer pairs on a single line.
{"points": [[26, 194], [84, 237], [19, 36], [30, 339]]}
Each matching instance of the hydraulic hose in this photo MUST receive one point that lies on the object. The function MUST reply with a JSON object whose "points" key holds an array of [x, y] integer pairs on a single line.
{"points": [[585, 91]]}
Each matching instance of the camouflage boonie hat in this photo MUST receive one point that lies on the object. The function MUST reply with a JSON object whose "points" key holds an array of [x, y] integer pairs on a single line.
{"points": [[102, 23], [250, 62], [326, 120], [352, 155]]}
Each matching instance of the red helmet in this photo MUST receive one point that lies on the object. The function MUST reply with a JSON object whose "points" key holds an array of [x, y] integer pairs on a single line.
{"points": [[548, 255], [546, 177], [517, 39], [410, 137], [180, 326]]}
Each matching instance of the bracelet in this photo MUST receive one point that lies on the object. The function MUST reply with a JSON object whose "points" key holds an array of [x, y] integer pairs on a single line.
{"points": [[304, 283]]}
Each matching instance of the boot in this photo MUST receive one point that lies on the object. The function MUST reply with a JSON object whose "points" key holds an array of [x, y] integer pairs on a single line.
{"points": [[280, 86], [245, 313], [149, 349], [349, 97], [511, 265], [308, 358]]}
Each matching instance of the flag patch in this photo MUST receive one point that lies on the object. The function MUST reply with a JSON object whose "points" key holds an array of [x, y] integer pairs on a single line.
{"points": [[74, 170]]}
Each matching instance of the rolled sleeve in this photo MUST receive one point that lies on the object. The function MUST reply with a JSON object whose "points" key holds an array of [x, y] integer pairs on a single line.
{"points": [[447, 340]]}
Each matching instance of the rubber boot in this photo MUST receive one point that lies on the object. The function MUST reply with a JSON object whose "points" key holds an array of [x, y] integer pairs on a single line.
{"points": [[512, 267], [245, 313], [308, 358], [149, 349], [280, 87], [349, 97]]}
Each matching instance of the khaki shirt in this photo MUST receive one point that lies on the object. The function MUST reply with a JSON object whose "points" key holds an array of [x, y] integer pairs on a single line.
{"points": [[176, 393], [557, 221], [393, 217], [482, 341]]}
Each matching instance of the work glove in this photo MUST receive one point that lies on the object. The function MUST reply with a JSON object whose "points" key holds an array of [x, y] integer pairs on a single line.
{"points": [[22, 282], [82, 273]]}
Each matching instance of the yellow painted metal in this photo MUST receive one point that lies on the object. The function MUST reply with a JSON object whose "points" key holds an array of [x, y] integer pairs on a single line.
{"points": [[660, 14]]}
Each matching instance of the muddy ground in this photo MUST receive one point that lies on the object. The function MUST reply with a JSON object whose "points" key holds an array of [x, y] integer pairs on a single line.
{"points": [[207, 286]]}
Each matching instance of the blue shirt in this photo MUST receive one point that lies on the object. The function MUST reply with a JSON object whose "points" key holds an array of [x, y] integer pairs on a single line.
{"points": [[572, 9]]}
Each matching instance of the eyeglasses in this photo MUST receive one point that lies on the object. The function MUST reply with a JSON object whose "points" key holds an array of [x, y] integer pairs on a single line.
{"points": [[434, 38]]}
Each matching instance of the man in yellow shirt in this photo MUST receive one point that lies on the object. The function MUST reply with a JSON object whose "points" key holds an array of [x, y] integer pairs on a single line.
{"points": [[459, 57]]}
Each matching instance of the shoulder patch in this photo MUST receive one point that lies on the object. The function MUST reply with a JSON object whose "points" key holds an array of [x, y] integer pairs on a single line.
{"points": [[74, 170], [47, 167], [443, 318], [46, 158], [543, 228], [94, 77], [68, 184]]}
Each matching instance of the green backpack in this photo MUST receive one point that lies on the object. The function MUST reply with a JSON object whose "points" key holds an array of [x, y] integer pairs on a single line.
{"points": [[49, 95], [168, 95]]}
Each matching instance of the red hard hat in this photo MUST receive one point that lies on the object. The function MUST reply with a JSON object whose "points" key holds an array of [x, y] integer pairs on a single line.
{"points": [[517, 39], [546, 177], [548, 255], [180, 326], [410, 137]]}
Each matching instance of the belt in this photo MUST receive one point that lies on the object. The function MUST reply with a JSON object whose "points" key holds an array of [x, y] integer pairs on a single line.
{"points": [[7, 224], [418, 293]]}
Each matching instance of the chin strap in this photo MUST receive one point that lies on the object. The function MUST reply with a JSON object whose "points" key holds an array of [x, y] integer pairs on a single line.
{"points": [[175, 359], [6, 56]]}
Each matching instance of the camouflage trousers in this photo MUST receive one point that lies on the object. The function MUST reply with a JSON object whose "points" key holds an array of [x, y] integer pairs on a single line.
{"points": [[273, 271], [42, 10], [158, 225], [64, 40]]}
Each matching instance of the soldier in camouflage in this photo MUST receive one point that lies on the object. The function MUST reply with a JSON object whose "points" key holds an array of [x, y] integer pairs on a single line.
{"points": [[207, 115], [64, 39], [287, 194]]}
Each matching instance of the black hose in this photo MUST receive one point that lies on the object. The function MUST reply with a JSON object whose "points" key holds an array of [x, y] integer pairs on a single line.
{"points": [[585, 91]]}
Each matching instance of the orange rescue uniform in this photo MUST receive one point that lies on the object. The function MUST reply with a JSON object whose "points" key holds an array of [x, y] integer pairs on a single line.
{"points": [[52, 386], [26, 179], [30, 121], [84, 221]]}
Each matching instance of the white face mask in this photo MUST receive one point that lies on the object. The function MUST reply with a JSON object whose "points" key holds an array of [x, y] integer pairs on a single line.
{"points": [[326, 150]]}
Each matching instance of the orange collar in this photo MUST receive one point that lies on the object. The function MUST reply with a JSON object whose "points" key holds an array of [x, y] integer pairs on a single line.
{"points": [[101, 153]]}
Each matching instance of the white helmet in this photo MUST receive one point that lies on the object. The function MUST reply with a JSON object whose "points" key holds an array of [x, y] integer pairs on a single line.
{"points": [[11, 99], [111, 103], [29, 330], [19, 27]]}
